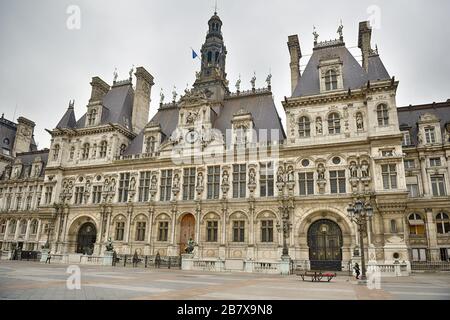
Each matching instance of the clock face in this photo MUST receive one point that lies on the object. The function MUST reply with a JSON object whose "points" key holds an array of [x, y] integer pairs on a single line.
{"points": [[192, 136]]}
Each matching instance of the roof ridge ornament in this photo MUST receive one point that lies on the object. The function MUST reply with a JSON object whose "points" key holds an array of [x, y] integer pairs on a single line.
{"points": [[71, 104], [115, 75], [339, 31], [253, 81], [161, 96], [315, 34]]}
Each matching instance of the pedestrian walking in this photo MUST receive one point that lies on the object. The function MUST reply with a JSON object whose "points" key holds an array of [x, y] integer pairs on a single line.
{"points": [[357, 271], [49, 257], [157, 260], [114, 258], [135, 259]]}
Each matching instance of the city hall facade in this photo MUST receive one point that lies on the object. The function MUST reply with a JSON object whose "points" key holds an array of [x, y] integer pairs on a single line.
{"points": [[216, 166]]}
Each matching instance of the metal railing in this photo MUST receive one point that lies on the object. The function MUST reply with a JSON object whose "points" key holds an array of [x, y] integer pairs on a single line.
{"points": [[143, 261], [430, 265]]}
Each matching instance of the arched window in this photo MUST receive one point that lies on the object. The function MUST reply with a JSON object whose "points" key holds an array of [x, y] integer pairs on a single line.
{"points": [[331, 80], [85, 153], [416, 225], [56, 152], [34, 227], [442, 223], [304, 127], [150, 145], [383, 115], [334, 123], [103, 149]]}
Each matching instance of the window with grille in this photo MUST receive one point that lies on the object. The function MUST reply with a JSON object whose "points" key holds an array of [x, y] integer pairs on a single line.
{"points": [[306, 183], [163, 231], [438, 186], [48, 194], [85, 151], [409, 164], [188, 183], [442, 223], [406, 139], [337, 181], [92, 116], [120, 229], [266, 179], [239, 180], [79, 195], [213, 184], [416, 225], [383, 115], [212, 228], [304, 127], [140, 231], [413, 190], [144, 186], [389, 174], [150, 145], [331, 82], [166, 185], [435, 162], [124, 183], [430, 135], [56, 152], [238, 231], [267, 231], [334, 123], [96, 194]]}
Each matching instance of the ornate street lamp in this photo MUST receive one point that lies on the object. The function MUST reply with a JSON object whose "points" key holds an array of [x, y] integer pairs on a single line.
{"points": [[359, 212]]}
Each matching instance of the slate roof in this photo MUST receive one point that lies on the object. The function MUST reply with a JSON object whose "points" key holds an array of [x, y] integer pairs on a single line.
{"points": [[354, 75], [409, 116], [68, 120], [8, 131]]}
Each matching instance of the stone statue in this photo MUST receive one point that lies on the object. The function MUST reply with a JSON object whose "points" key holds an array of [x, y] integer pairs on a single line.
{"points": [[37, 170], [200, 179], [290, 174], [115, 74], [225, 177], [269, 80], [253, 81], [359, 121], [176, 181], [133, 183], [16, 172], [190, 246], [280, 175], [153, 183], [353, 170], [131, 72], [319, 125], [315, 34], [252, 176], [161, 95], [109, 246], [339, 31], [113, 185], [174, 94], [365, 169], [238, 84], [419, 137], [321, 172]]}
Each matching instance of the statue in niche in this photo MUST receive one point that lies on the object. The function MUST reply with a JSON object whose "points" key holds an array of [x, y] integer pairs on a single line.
{"points": [[353, 170], [132, 183], [321, 172], [280, 175], [419, 137], [359, 121], [113, 185], [225, 178], [154, 182], [200, 179], [176, 181], [365, 169], [290, 174], [37, 170], [252, 176], [319, 128]]}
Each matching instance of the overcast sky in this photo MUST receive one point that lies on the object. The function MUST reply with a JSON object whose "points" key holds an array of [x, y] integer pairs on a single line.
{"points": [[44, 64]]}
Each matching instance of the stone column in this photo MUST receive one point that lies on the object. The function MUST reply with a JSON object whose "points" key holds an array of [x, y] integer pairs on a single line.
{"points": [[38, 234], [198, 213], [128, 230], [27, 234], [16, 234], [424, 175], [5, 236], [108, 224], [150, 230], [432, 235]]}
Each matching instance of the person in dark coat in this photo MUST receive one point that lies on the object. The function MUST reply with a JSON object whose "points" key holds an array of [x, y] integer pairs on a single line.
{"points": [[114, 257], [357, 271], [135, 259], [157, 260], [49, 257]]}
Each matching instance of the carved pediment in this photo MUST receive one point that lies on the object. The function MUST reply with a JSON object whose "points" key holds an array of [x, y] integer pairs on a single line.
{"points": [[428, 117]]}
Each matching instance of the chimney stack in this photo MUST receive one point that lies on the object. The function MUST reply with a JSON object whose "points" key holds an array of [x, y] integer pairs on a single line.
{"points": [[24, 136], [364, 39], [141, 103], [99, 89], [296, 55]]}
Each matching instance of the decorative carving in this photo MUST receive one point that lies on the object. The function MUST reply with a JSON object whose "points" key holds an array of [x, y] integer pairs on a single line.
{"points": [[321, 172], [319, 128], [359, 121], [353, 170], [365, 172]]}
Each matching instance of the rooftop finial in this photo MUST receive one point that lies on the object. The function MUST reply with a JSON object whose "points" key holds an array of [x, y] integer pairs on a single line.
{"points": [[131, 72], [238, 84], [215, 8], [339, 31], [269, 80], [71, 104], [161, 95], [253, 81], [174, 94], [315, 34]]}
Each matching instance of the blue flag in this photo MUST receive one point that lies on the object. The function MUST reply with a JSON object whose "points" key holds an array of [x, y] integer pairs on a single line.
{"points": [[194, 54]]}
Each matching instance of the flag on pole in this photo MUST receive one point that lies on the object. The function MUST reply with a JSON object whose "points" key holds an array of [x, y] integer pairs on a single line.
{"points": [[194, 54]]}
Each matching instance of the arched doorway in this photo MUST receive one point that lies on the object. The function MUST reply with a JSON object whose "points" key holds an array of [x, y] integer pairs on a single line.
{"points": [[187, 231], [86, 239], [325, 246]]}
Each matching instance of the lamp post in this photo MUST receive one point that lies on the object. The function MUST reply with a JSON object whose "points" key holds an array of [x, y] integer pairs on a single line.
{"points": [[359, 212]]}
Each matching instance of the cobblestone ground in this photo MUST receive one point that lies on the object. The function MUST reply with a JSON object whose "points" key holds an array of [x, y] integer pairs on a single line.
{"points": [[38, 281]]}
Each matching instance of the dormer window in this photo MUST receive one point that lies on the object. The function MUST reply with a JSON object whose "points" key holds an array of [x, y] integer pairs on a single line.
{"points": [[103, 149], [241, 135], [406, 139], [304, 127], [430, 135], [331, 82], [92, 116], [383, 115], [150, 145]]}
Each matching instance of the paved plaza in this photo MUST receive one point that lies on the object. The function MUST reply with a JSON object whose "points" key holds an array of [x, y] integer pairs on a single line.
{"points": [[38, 281]]}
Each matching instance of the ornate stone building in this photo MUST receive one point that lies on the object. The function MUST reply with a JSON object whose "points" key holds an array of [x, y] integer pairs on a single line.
{"points": [[216, 166]]}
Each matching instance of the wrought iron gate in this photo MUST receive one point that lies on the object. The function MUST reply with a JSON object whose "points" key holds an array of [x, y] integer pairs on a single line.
{"points": [[325, 246]]}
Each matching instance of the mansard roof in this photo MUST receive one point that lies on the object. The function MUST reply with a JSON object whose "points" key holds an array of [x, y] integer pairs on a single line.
{"points": [[260, 105], [354, 75], [409, 116]]}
